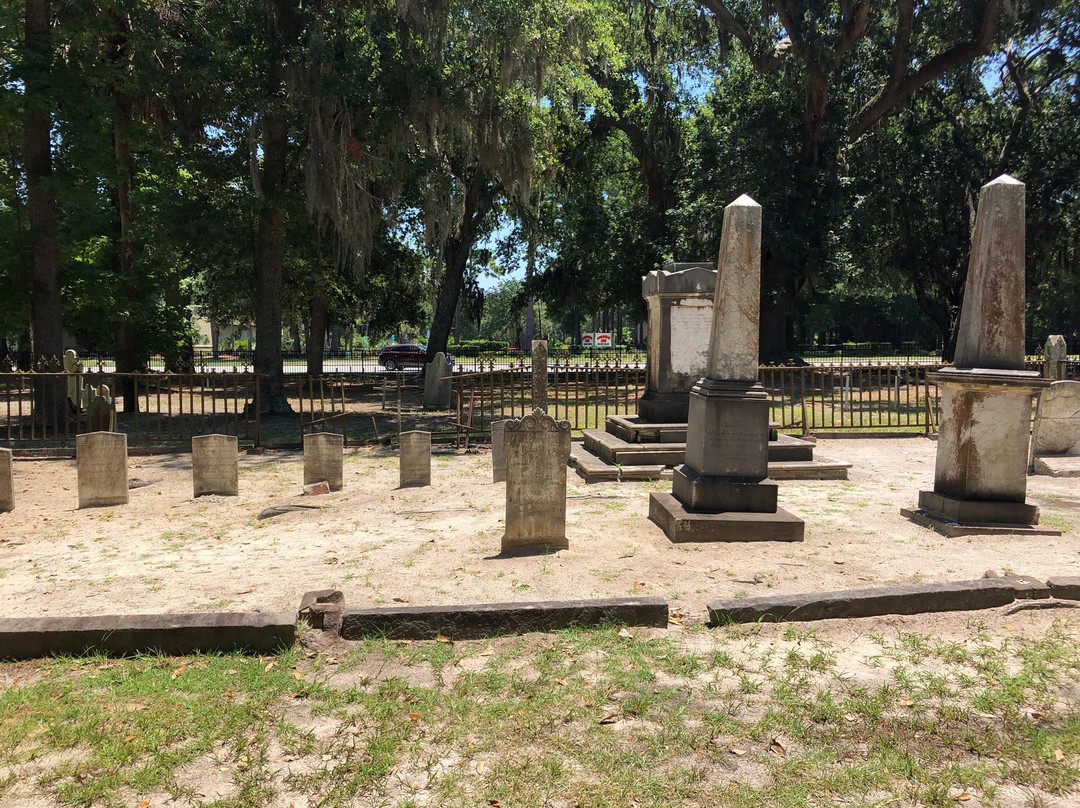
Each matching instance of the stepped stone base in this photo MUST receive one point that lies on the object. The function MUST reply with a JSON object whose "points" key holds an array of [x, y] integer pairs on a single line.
{"points": [[951, 528], [1058, 465], [607, 456], [681, 525]]}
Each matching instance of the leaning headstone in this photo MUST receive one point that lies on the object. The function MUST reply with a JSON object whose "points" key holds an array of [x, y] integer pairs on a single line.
{"points": [[7, 481], [415, 459], [537, 449], [539, 374], [74, 368], [680, 301], [498, 453], [722, 491], [438, 383], [101, 460], [214, 465], [980, 478], [1054, 353], [323, 459], [1055, 440]]}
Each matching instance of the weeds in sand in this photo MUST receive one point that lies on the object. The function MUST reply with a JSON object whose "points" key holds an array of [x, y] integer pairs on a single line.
{"points": [[739, 716]]}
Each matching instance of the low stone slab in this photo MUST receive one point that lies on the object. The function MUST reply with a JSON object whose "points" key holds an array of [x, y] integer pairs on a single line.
{"points": [[953, 529], [1066, 588], [824, 468], [594, 470], [1058, 465], [477, 621], [29, 637], [681, 525], [950, 596]]}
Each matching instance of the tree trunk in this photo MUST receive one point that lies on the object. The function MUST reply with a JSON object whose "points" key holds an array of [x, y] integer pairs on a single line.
{"points": [[479, 197], [127, 360], [318, 307], [47, 341]]}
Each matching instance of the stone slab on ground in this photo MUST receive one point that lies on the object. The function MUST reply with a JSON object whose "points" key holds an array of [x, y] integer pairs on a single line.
{"points": [[174, 634], [951, 529], [681, 525], [1058, 465], [1066, 588], [595, 470], [477, 621], [949, 596]]}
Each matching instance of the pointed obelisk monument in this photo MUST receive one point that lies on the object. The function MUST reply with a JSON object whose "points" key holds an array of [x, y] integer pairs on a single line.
{"points": [[980, 479], [722, 491]]}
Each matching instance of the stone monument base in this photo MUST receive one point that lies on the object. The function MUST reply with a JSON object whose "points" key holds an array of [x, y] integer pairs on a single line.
{"points": [[681, 525], [978, 511], [664, 408], [950, 528], [533, 546], [702, 493]]}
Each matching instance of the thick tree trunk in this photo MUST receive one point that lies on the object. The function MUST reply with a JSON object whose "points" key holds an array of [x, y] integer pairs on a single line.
{"points": [[269, 246], [318, 308], [479, 197], [47, 342]]}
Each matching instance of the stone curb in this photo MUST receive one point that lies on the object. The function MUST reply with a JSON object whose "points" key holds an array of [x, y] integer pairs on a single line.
{"points": [[478, 621], [1065, 587], [172, 634], [984, 593]]}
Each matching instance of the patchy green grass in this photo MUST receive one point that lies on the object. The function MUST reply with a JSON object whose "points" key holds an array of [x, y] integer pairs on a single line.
{"points": [[739, 716]]}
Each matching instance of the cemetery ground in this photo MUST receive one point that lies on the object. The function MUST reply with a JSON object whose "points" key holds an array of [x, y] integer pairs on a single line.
{"points": [[976, 708]]}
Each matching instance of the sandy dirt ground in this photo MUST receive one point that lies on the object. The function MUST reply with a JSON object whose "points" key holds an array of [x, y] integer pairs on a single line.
{"points": [[169, 552]]}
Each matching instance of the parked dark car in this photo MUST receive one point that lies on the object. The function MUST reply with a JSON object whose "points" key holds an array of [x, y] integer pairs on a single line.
{"points": [[404, 356]]}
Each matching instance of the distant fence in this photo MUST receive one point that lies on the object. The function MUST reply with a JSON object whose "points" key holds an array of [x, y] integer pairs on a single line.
{"points": [[36, 409]]}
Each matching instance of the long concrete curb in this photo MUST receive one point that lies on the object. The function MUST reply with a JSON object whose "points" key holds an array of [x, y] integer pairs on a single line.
{"points": [[28, 637], [984, 593], [477, 621]]}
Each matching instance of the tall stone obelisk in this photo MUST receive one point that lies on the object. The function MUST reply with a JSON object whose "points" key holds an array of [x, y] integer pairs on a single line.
{"points": [[722, 491], [980, 478]]}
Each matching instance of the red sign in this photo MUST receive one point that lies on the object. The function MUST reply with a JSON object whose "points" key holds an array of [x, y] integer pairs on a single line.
{"points": [[587, 340], [603, 340]]}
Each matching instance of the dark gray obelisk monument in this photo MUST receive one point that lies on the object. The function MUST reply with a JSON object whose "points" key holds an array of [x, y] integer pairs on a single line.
{"points": [[980, 478], [722, 491]]}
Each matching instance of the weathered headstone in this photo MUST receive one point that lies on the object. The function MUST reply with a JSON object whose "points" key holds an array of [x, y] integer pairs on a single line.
{"points": [[323, 459], [1056, 434], [74, 368], [100, 410], [438, 383], [537, 448], [498, 452], [214, 465], [980, 477], [7, 481], [1054, 352], [539, 374], [722, 491], [680, 301], [415, 469], [101, 461]]}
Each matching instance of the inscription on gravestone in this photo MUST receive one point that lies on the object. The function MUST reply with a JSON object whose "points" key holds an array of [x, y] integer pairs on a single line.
{"points": [[101, 461], [214, 466], [323, 459]]}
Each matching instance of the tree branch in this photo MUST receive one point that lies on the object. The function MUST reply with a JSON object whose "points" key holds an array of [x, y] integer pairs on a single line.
{"points": [[763, 61], [896, 92]]}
